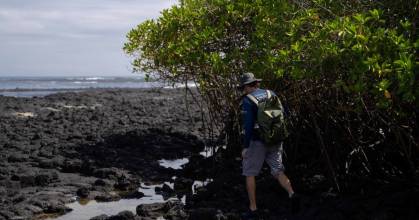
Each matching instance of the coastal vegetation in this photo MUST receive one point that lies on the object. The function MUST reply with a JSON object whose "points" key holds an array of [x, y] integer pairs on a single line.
{"points": [[348, 70]]}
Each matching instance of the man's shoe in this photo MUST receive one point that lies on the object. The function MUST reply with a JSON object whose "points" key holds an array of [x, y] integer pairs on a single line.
{"points": [[250, 215], [295, 203]]}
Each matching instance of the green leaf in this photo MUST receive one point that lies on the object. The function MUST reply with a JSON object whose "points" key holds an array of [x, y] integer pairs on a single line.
{"points": [[406, 24], [376, 14], [280, 72], [296, 46], [383, 85], [416, 44]]}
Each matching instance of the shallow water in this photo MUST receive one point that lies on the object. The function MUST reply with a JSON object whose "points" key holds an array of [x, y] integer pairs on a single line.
{"points": [[174, 164], [85, 211], [209, 152], [198, 184], [82, 211]]}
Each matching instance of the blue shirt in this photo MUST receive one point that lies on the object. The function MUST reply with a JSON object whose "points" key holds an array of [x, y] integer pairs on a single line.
{"points": [[250, 110]]}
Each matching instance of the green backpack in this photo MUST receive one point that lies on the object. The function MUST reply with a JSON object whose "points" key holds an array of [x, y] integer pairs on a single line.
{"points": [[271, 122]]}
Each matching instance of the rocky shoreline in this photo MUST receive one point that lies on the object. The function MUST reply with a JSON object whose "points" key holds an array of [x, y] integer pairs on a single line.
{"points": [[103, 145], [97, 145]]}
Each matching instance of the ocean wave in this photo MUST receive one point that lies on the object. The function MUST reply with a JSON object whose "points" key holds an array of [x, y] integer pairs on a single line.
{"points": [[85, 82], [96, 78], [107, 79], [17, 83], [180, 85], [93, 78]]}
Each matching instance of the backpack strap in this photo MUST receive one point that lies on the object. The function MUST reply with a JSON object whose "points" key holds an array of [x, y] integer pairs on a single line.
{"points": [[268, 92], [253, 99]]}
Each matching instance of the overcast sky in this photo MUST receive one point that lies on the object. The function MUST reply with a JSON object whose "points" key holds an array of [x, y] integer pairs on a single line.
{"points": [[69, 37]]}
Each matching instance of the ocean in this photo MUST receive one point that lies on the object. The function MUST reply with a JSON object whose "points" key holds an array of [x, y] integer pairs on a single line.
{"points": [[42, 86]]}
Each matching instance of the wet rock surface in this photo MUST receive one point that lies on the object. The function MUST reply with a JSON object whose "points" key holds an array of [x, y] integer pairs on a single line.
{"points": [[124, 215], [168, 210]]}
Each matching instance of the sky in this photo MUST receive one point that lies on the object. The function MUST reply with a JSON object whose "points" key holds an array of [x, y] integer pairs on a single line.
{"points": [[70, 37]]}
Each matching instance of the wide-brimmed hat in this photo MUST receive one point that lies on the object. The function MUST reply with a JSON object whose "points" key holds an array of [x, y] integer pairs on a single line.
{"points": [[247, 78]]}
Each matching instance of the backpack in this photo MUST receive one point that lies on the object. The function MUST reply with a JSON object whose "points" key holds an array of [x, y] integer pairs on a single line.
{"points": [[271, 120]]}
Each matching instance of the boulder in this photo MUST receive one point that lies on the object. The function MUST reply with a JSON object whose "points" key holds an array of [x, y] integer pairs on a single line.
{"points": [[106, 197], [27, 180], [203, 214], [183, 184], [100, 182], [56, 207], [170, 210], [100, 217], [17, 157], [175, 210], [166, 191], [151, 210], [83, 192], [135, 194], [108, 173], [46, 163], [122, 184], [124, 215], [44, 178], [72, 166]]}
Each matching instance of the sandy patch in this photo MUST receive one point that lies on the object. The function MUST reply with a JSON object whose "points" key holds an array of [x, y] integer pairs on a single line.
{"points": [[51, 109], [24, 114], [81, 106]]}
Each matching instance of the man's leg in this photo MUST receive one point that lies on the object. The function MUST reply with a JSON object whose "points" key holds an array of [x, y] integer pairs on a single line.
{"points": [[285, 183], [252, 164], [251, 191], [274, 160]]}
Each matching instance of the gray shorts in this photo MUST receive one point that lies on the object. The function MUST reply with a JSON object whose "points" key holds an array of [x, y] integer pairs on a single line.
{"points": [[257, 153]]}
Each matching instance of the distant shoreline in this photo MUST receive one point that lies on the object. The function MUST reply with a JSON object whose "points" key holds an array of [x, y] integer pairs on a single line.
{"points": [[35, 90], [42, 86], [31, 93], [70, 89]]}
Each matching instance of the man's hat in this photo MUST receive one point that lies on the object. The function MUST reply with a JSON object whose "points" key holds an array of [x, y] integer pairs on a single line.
{"points": [[247, 78]]}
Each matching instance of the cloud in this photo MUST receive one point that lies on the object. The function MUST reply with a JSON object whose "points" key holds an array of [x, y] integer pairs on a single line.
{"points": [[80, 28], [77, 16]]}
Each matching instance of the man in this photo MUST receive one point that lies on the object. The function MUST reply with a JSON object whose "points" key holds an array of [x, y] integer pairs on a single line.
{"points": [[254, 152]]}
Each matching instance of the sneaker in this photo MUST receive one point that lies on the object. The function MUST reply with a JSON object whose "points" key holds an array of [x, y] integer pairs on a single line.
{"points": [[295, 203], [250, 215]]}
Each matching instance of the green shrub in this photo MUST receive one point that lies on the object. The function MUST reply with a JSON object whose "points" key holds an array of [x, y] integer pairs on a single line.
{"points": [[348, 70]]}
